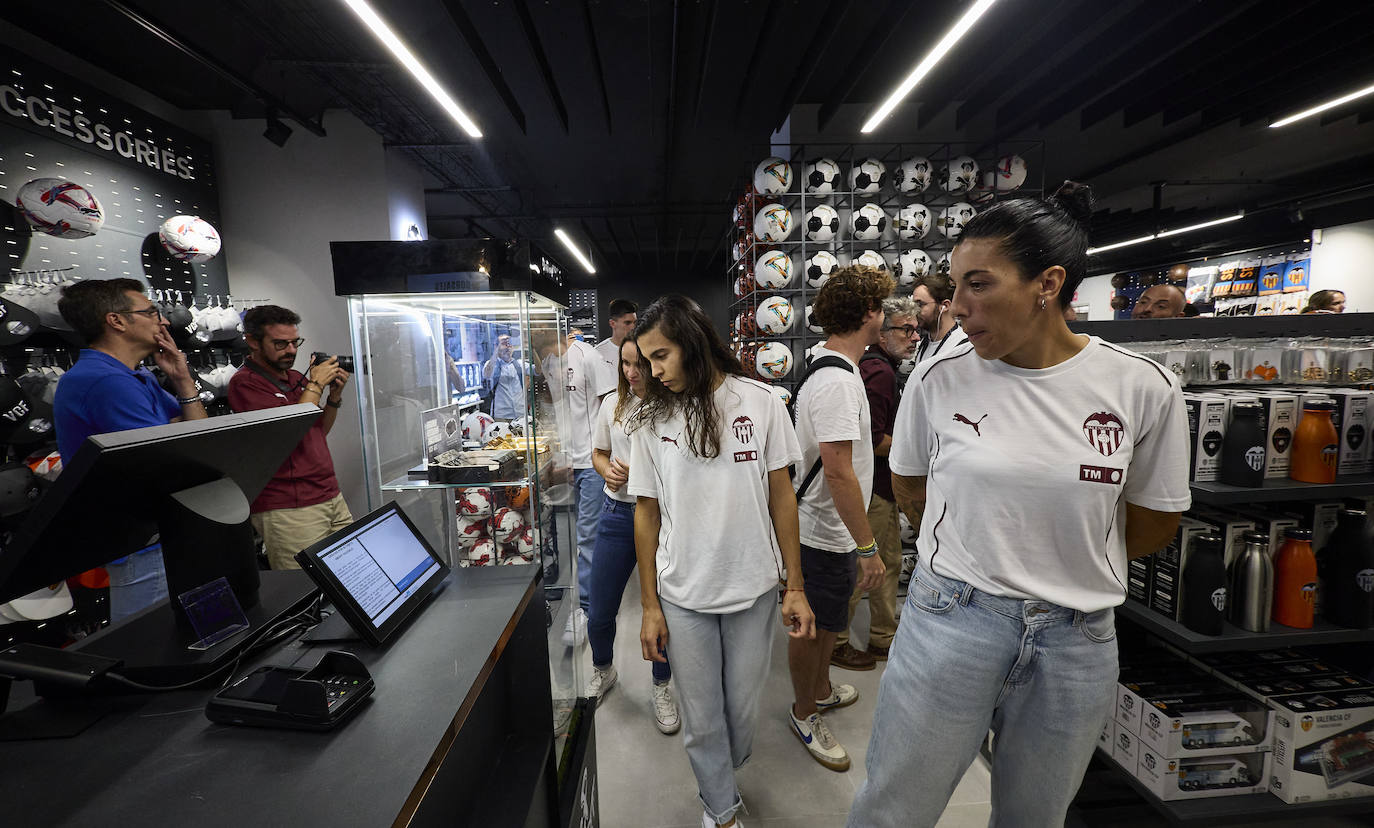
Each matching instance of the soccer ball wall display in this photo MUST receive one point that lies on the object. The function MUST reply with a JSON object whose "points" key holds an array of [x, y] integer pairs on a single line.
{"points": [[913, 265], [873, 259], [60, 208], [868, 222], [1011, 173], [189, 239], [773, 360], [913, 222], [960, 175], [812, 325], [773, 270], [954, 217], [819, 267], [867, 176], [822, 223], [913, 175], [773, 223], [772, 175], [774, 315], [475, 426], [821, 176]]}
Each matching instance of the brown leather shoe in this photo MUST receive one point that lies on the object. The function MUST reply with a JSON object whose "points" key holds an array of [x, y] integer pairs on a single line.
{"points": [[847, 658], [878, 653]]}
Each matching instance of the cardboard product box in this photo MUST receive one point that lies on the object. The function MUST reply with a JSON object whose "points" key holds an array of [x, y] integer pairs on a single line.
{"points": [[1166, 567], [1281, 414], [1134, 693], [1205, 724], [1214, 662], [1319, 517], [1238, 676], [1199, 777], [1266, 689], [1323, 746], [1139, 571], [1124, 747], [1231, 525], [1207, 427], [1353, 410], [1271, 522]]}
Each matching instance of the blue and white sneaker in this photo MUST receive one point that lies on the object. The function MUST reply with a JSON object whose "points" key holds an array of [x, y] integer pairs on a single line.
{"points": [[820, 743]]}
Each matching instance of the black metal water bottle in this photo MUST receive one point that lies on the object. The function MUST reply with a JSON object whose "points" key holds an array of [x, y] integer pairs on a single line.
{"points": [[1347, 568], [1202, 593], [1242, 451]]}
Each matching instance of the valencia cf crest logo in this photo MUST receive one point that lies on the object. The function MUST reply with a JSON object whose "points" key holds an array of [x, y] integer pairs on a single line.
{"points": [[1104, 432], [1306, 722], [744, 429]]}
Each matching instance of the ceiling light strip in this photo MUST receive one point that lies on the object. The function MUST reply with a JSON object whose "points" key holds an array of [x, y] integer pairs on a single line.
{"points": [[928, 62], [1368, 90], [1094, 250], [389, 39], [577, 252]]}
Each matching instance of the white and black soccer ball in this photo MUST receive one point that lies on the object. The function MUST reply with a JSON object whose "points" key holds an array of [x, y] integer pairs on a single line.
{"points": [[943, 266], [1011, 173], [913, 265], [907, 532], [811, 325], [774, 315], [819, 267], [873, 259], [913, 175], [954, 217], [772, 175], [773, 360], [60, 208], [868, 222], [960, 175], [773, 269], [867, 176], [914, 221], [822, 174], [500, 430], [773, 223], [822, 223], [189, 239]]}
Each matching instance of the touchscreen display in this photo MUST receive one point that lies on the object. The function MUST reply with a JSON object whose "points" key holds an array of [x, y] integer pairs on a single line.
{"points": [[381, 564]]}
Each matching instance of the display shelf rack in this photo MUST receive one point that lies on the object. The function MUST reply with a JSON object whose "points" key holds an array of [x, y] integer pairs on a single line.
{"points": [[1355, 485], [1234, 638], [1259, 327]]}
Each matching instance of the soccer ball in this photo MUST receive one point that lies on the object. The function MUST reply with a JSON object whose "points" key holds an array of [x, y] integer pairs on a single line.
{"points": [[772, 175], [474, 502], [811, 325], [913, 264], [60, 208], [773, 269], [1011, 173], [781, 393], [476, 425], [954, 217], [773, 360], [943, 266], [744, 323], [867, 176], [819, 267], [469, 532], [189, 239], [960, 175], [773, 223], [913, 222], [499, 430], [747, 352], [913, 175], [873, 259], [868, 222], [821, 175], [482, 553], [518, 497], [983, 193], [774, 315], [908, 533], [507, 525], [524, 541], [822, 223]]}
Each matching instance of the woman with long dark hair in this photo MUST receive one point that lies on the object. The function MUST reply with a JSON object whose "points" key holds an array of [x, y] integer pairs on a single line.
{"points": [[1035, 462], [715, 528]]}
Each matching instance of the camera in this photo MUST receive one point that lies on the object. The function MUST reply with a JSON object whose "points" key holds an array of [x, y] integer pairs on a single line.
{"points": [[345, 362]]}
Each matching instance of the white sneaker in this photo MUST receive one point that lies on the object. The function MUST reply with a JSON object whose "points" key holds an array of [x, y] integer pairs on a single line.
{"points": [[601, 682], [708, 822], [575, 631], [841, 695], [815, 734], [665, 709]]}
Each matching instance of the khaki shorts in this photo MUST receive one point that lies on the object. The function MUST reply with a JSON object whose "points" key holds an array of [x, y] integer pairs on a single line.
{"points": [[287, 531]]}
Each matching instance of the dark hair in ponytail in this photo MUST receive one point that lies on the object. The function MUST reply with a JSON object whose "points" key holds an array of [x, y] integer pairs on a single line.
{"points": [[1038, 234]]}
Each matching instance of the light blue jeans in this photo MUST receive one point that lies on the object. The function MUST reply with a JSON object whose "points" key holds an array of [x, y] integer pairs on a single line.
{"points": [[136, 583], [720, 663], [1039, 675], [588, 497]]}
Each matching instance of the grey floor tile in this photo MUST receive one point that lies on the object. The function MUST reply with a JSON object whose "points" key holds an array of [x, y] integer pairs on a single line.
{"points": [[973, 815]]}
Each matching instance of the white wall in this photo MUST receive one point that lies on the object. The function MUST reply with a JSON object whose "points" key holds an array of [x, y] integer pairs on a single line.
{"points": [[405, 196], [281, 208], [1096, 291], [1344, 260]]}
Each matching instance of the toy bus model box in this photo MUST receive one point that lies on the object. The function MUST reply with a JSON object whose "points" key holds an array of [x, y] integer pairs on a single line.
{"points": [[1210, 725], [1323, 746], [1198, 777], [1133, 694], [1124, 747], [1265, 689]]}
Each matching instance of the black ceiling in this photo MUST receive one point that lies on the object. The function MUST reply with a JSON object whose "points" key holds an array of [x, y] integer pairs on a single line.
{"points": [[634, 121]]}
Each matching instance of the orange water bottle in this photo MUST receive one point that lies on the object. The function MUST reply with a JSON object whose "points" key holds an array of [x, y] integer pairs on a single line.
{"points": [[1295, 579], [1315, 446]]}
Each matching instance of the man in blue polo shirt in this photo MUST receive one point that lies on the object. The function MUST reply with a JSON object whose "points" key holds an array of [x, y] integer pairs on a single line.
{"points": [[108, 390]]}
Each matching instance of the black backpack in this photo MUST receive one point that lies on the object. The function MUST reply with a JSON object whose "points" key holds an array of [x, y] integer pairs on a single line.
{"points": [[811, 368]]}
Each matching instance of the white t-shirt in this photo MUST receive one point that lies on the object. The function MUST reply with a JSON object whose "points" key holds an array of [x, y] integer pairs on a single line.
{"points": [[930, 349], [577, 398], [1028, 472], [609, 367], [611, 436], [832, 407], [717, 551]]}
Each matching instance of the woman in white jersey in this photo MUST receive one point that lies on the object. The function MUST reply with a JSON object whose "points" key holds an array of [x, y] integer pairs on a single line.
{"points": [[615, 539], [1035, 461], [715, 526]]}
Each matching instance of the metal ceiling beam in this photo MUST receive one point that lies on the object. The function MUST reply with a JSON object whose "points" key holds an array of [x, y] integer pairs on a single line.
{"points": [[770, 23], [594, 46], [704, 61], [199, 55], [541, 60], [615, 240], [477, 45], [885, 25], [820, 40]]}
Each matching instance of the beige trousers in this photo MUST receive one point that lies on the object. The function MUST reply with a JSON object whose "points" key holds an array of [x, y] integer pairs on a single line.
{"points": [[882, 602], [287, 531]]}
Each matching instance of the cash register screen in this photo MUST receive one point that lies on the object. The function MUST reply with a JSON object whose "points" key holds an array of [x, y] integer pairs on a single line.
{"points": [[376, 571]]}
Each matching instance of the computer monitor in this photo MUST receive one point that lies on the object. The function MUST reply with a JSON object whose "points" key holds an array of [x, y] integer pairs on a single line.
{"points": [[190, 482]]}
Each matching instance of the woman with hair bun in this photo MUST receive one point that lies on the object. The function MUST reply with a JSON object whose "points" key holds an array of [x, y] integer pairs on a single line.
{"points": [[1035, 462]]}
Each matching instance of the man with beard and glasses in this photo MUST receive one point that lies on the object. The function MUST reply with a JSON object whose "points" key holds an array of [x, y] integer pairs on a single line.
{"points": [[932, 295]]}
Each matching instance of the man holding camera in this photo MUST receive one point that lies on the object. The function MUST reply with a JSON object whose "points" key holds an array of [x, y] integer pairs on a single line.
{"points": [[302, 502]]}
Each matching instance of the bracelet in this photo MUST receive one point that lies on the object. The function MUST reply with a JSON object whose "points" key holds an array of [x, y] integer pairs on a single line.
{"points": [[867, 551], [793, 589], [194, 398], [314, 386], [334, 403]]}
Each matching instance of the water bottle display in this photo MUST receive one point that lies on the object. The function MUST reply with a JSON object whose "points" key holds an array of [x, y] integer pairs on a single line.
{"points": [[1295, 580], [1315, 445], [1202, 602], [1251, 592], [1347, 569]]}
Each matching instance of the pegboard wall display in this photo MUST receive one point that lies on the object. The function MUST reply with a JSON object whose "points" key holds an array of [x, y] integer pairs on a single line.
{"points": [[584, 313], [140, 169]]}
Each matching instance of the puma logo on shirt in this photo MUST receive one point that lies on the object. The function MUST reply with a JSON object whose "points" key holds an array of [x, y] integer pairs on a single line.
{"points": [[668, 440], [960, 418]]}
